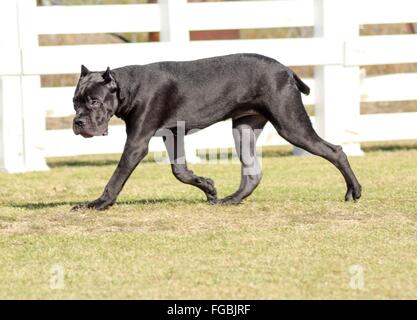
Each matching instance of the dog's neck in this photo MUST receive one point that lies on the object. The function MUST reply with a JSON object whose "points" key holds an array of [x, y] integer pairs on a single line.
{"points": [[128, 86]]}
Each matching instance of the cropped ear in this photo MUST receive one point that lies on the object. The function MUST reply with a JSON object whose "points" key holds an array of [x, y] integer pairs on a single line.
{"points": [[84, 71], [109, 80], [107, 75]]}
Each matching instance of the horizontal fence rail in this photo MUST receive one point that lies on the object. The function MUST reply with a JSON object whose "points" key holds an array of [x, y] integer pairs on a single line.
{"points": [[48, 60], [336, 50], [386, 11], [370, 50], [249, 14], [97, 19], [381, 50]]}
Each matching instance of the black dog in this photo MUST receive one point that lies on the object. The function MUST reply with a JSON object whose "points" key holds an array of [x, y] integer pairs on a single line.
{"points": [[248, 88]]}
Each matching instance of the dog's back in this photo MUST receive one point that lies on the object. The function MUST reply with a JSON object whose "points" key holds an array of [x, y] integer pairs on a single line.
{"points": [[209, 90]]}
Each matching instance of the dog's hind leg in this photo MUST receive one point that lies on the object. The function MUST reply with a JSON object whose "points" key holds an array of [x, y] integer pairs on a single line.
{"points": [[175, 148], [291, 120], [245, 132]]}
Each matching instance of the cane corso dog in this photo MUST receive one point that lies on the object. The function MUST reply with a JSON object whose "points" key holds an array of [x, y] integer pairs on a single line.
{"points": [[250, 89]]}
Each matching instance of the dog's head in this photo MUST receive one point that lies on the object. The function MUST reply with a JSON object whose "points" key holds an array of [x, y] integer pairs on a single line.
{"points": [[95, 102]]}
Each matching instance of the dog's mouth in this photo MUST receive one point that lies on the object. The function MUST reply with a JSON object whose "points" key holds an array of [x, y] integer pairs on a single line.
{"points": [[88, 134]]}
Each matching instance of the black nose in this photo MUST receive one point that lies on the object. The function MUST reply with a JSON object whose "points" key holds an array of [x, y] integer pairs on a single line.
{"points": [[79, 122]]}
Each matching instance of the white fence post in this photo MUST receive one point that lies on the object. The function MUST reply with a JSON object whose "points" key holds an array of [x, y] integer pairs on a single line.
{"points": [[33, 113], [11, 126], [11, 130], [174, 29], [337, 100], [173, 21]]}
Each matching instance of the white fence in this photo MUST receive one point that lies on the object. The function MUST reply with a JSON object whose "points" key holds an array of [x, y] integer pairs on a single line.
{"points": [[336, 51]]}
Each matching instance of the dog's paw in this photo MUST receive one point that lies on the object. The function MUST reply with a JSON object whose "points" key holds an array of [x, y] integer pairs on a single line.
{"points": [[211, 191], [353, 194], [98, 204]]}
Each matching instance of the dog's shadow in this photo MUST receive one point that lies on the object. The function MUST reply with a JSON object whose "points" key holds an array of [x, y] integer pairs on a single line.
{"points": [[41, 205], [81, 163], [148, 202]]}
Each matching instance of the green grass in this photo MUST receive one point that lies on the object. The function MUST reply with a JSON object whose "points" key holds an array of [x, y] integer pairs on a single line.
{"points": [[293, 238]]}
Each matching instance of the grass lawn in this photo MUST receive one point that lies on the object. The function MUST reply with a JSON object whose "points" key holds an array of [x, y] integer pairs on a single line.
{"points": [[293, 238]]}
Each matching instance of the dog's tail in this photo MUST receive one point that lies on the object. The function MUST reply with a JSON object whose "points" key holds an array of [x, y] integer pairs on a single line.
{"points": [[301, 85]]}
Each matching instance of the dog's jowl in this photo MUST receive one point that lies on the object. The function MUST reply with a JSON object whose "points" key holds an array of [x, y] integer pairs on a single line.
{"points": [[247, 88]]}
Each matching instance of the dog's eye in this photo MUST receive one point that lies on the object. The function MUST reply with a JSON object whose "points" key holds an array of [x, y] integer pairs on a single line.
{"points": [[95, 104]]}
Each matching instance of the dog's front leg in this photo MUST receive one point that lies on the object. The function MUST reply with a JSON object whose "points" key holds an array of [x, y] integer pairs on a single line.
{"points": [[134, 151]]}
